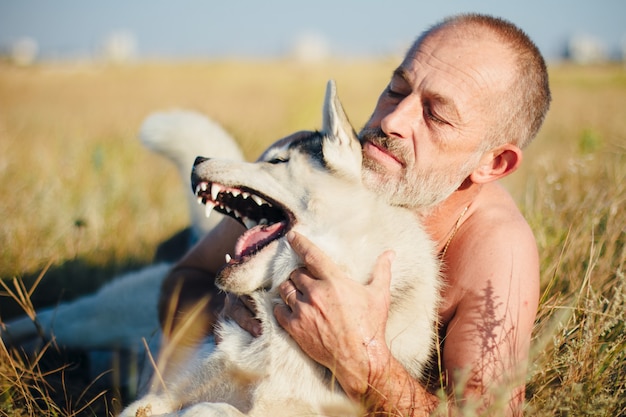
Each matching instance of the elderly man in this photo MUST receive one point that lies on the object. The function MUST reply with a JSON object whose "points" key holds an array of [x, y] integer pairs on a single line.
{"points": [[471, 92]]}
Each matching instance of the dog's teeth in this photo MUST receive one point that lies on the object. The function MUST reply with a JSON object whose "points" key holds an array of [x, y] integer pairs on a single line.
{"points": [[208, 209], [235, 193], [258, 200], [249, 222], [215, 190], [237, 214], [245, 195], [201, 187], [228, 209], [263, 221], [227, 258], [200, 200]]}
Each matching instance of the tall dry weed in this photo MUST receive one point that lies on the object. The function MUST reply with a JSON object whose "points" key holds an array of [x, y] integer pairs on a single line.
{"points": [[32, 385], [580, 350]]}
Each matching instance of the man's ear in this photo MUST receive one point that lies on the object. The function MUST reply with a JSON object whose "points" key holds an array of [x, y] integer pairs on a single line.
{"points": [[497, 163]]}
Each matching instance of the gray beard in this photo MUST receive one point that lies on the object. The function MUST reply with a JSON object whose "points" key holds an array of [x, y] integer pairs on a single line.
{"points": [[416, 189], [422, 191]]}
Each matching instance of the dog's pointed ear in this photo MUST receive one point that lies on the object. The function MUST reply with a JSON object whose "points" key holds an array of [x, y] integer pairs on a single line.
{"points": [[342, 149]]}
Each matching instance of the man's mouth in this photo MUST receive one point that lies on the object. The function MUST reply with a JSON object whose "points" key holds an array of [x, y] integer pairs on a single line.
{"points": [[379, 152], [265, 221]]}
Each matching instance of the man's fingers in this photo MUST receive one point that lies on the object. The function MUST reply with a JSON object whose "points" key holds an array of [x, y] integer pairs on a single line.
{"points": [[293, 295], [288, 292], [248, 302], [381, 274], [282, 314], [241, 310], [315, 261]]}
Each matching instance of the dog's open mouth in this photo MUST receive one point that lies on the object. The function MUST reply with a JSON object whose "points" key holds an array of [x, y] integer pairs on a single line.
{"points": [[266, 221]]}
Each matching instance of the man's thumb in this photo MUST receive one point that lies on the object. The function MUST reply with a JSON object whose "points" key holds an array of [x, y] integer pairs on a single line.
{"points": [[381, 274]]}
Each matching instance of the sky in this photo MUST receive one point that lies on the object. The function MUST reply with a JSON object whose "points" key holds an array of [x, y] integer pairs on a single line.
{"points": [[268, 28]]}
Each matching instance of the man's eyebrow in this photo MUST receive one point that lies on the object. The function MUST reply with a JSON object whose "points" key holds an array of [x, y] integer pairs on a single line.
{"points": [[443, 101], [446, 104], [400, 72]]}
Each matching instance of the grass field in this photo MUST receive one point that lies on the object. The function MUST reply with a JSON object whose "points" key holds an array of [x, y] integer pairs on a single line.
{"points": [[81, 195]]}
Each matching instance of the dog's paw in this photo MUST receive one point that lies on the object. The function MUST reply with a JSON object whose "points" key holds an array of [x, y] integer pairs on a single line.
{"points": [[148, 406], [210, 410], [144, 411]]}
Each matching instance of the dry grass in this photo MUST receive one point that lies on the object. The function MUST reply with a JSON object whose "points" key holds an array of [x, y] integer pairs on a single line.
{"points": [[573, 192], [80, 193]]}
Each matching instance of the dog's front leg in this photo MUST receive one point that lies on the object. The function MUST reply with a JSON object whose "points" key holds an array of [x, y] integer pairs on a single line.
{"points": [[206, 410], [148, 406]]}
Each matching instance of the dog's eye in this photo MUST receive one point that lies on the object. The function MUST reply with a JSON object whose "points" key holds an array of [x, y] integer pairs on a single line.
{"points": [[278, 160]]}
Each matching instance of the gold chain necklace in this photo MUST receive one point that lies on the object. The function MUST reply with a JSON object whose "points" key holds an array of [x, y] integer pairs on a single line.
{"points": [[454, 230]]}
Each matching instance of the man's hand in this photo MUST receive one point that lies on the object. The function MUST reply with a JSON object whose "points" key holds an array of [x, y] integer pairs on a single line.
{"points": [[242, 311], [336, 321]]}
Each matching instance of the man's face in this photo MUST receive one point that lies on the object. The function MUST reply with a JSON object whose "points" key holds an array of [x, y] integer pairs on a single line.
{"points": [[424, 138]]}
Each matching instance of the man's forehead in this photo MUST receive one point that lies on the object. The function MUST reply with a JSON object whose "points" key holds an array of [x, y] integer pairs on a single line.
{"points": [[476, 63], [472, 50]]}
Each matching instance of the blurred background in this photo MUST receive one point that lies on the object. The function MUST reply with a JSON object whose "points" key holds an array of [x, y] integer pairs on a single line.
{"points": [[33, 30]]}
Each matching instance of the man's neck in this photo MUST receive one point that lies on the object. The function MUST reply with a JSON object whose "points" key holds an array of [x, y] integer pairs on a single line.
{"points": [[443, 220]]}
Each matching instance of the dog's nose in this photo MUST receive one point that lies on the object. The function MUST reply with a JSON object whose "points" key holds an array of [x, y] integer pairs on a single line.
{"points": [[199, 160]]}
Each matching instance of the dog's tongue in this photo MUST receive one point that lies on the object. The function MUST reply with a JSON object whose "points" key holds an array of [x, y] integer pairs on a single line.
{"points": [[257, 237]]}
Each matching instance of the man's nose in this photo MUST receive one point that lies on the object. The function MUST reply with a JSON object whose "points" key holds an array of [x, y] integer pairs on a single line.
{"points": [[403, 118]]}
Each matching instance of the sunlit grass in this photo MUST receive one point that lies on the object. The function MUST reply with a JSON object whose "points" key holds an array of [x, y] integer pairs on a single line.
{"points": [[81, 194]]}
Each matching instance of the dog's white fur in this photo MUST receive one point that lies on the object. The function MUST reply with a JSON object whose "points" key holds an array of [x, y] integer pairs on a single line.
{"points": [[270, 375], [182, 135], [120, 315]]}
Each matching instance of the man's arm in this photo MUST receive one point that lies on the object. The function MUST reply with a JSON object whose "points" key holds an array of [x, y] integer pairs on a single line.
{"points": [[492, 288], [341, 324], [347, 335], [494, 275], [189, 288]]}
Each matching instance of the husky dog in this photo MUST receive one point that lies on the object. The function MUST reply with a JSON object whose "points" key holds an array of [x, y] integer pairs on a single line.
{"points": [[310, 184]]}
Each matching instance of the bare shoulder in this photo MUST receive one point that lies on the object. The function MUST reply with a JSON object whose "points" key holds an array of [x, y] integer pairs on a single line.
{"points": [[494, 253], [490, 302], [495, 227]]}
